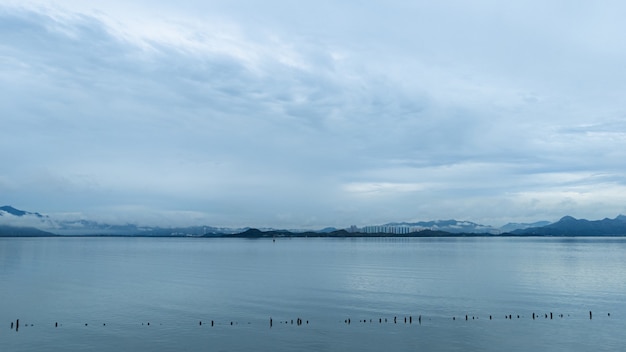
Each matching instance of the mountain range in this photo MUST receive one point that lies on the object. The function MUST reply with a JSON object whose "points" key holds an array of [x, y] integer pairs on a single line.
{"points": [[12, 218], [569, 226], [16, 222], [455, 226]]}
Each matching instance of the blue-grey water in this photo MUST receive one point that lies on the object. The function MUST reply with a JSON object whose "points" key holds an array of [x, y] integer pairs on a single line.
{"points": [[103, 293]]}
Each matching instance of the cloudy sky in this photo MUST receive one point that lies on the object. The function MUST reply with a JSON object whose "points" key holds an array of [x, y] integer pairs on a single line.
{"points": [[308, 114]]}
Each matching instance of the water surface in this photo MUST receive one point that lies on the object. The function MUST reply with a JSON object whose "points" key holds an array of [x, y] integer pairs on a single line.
{"points": [[103, 292]]}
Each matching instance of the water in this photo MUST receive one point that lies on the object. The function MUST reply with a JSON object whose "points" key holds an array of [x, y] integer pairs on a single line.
{"points": [[103, 292]]}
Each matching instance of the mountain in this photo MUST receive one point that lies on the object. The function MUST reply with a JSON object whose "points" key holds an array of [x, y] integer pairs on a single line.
{"points": [[11, 216], [452, 226], [256, 233], [87, 227], [512, 226], [16, 222], [7, 209], [15, 231], [16, 218], [570, 226]]}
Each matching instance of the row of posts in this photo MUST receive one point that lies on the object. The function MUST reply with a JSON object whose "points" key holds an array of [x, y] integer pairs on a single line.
{"points": [[380, 320], [299, 321]]}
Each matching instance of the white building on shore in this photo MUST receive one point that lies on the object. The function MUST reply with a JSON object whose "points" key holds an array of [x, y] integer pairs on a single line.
{"points": [[390, 229]]}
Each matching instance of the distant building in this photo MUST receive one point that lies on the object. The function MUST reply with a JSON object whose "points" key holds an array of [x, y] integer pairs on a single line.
{"points": [[392, 229]]}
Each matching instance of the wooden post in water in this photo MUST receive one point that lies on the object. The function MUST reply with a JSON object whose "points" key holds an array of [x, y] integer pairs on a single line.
{"points": [[550, 315], [17, 324], [590, 316], [270, 322], [410, 319]]}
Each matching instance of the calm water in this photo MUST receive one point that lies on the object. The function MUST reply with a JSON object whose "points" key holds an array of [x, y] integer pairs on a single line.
{"points": [[173, 284]]}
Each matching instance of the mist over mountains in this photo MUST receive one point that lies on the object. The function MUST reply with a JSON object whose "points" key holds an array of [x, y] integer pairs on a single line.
{"points": [[455, 226], [16, 218], [16, 222]]}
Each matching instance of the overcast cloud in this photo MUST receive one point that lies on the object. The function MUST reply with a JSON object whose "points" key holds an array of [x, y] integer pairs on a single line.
{"points": [[312, 114]]}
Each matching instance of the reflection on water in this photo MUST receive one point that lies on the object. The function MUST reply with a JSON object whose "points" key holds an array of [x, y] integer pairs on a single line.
{"points": [[173, 284]]}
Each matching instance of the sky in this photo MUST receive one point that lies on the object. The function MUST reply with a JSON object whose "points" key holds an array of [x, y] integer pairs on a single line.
{"points": [[307, 114]]}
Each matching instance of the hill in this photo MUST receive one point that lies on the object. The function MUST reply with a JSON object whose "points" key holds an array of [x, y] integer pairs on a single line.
{"points": [[512, 226], [256, 233], [452, 226], [15, 231], [570, 226]]}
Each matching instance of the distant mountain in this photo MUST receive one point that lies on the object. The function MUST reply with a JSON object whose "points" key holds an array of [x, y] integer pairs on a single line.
{"points": [[512, 226], [16, 222], [191, 231], [7, 209], [256, 233], [15, 231], [87, 227], [569, 226], [452, 226], [11, 216], [16, 218]]}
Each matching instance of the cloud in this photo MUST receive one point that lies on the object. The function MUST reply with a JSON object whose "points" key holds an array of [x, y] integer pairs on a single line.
{"points": [[273, 116]]}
